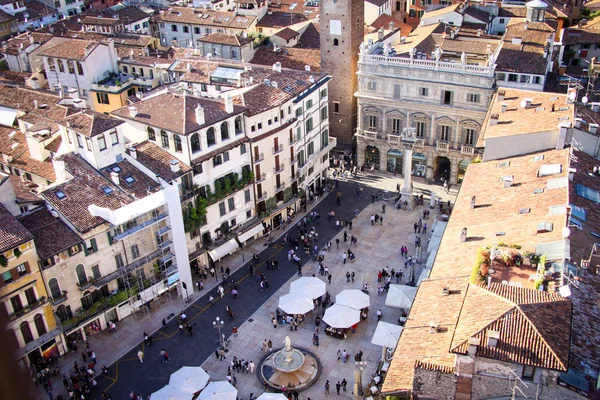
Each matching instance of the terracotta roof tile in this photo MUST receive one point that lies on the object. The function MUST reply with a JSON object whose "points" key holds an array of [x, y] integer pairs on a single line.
{"points": [[583, 35], [311, 37], [278, 19], [224, 38], [74, 49], [83, 190], [289, 57], [195, 16], [478, 14], [91, 123], [24, 190], [12, 233], [54, 145], [287, 33], [158, 161], [131, 180], [179, 117], [26, 163], [51, 235]]}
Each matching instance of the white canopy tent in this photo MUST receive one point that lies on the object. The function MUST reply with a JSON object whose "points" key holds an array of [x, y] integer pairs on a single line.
{"points": [[170, 393], [352, 298], [271, 396], [296, 303], [189, 379], [251, 232], [223, 250], [309, 286], [387, 334], [220, 390], [400, 296], [338, 316]]}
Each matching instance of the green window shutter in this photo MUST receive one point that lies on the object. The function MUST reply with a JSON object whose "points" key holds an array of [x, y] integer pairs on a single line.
{"points": [[85, 250], [110, 239], [94, 246]]}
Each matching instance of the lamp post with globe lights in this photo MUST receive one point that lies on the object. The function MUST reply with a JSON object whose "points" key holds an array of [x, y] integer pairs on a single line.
{"points": [[358, 387], [218, 324]]}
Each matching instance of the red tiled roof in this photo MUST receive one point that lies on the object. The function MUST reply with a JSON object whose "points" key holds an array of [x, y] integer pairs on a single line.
{"points": [[289, 57], [91, 123], [12, 233]]}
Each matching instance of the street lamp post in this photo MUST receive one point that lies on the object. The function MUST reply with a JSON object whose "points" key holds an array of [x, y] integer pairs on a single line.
{"points": [[358, 387], [218, 323]]}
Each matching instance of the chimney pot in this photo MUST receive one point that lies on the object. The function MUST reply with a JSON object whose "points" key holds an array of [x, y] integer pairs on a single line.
{"points": [[473, 199], [133, 153], [463, 235], [501, 94], [494, 119], [115, 178], [133, 112], [174, 166], [504, 107], [199, 111]]}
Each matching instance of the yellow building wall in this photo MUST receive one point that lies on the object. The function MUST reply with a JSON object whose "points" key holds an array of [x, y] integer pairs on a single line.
{"points": [[115, 101]]}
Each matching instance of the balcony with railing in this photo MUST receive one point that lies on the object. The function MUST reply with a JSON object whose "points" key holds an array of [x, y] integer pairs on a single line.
{"points": [[292, 161], [431, 65], [295, 176], [280, 187], [27, 308], [120, 82], [262, 196], [467, 149], [128, 268], [277, 149], [367, 134], [293, 140], [325, 147], [279, 168], [259, 157], [261, 177], [442, 145]]}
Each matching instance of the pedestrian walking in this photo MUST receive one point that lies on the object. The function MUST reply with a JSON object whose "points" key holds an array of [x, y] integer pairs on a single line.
{"points": [[347, 276], [337, 243], [164, 355], [379, 315], [344, 257], [234, 292], [84, 357], [252, 367], [274, 322], [329, 278], [270, 345], [352, 276], [338, 386], [344, 384], [265, 347], [327, 387], [140, 355], [381, 220], [383, 208]]}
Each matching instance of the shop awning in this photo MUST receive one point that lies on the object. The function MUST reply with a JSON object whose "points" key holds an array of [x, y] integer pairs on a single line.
{"points": [[7, 116], [223, 250], [251, 232]]}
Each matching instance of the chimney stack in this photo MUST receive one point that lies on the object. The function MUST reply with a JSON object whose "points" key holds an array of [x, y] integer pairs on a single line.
{"points": [[392, 26], [380, 33], [307, 68], [228, 104], [504, 107], [133, 153], [463, 235], [595, 107], [277, 67], [501, 94], [174, 166], [35, 103], [199, 115], [311, 79], [494, 119], [493, 337], [473, 344], [115, 178], [133, 111], [473, 199]]}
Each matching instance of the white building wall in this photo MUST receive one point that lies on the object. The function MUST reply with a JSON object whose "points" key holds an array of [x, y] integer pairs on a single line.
{"points": [[452, 18], [510, 146]]}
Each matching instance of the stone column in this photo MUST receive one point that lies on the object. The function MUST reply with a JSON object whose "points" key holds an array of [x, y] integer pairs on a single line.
{"points": [[384, 124], [432, 131], [454, 169], [407, 158], [457, 134]]}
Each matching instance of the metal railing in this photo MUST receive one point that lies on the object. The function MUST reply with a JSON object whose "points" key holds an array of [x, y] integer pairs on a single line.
{"points": [[277, 149], [278, 168]]}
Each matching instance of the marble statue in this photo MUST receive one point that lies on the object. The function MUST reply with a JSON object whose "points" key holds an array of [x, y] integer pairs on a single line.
{"points": [[287, 344]]}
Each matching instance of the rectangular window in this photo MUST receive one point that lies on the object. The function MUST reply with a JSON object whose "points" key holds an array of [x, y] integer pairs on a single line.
{"points": [[114, 138], [79, 140], [424, 92], [528, 372], [102, 98], [248, 214], [500, 76], [396, 126], [119, 261], [537, 80], [198, 169], [243, 148], [323, 93], [470, 137], [372, 85], [173, 28], [311, 149], [226, 156], [447, 97], [420, 129], [218, 160], [396, 91], [372, 122], [96, 271], [336, 107], [186, 29], [473, 98], [101, 143], [30, 296], [70, 66], [247, 196], [135, 251], [445, 133], [309, 125], [513, 77], [524, 79], [259, 126], [61, 66], [324, 113], [90, 248], [88, 143], [222, 209], [16, 304], [298, 112], [196, 30], [231, 204]]}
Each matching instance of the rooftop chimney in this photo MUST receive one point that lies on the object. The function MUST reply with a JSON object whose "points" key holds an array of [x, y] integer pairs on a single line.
{"points": [[571, 95], [473, 199], [189, 67], [35, 103], [392, 25], [463, 235], [199, 115], [595, 107], [493, 337], [133, 153], [115, 178], [380, 33], [593, 128], [228, 104], [445, 291], [311, 79], [494, 119], [528, 101], [504, 107], [277, 67], [433, 327], [501, 94], [133, 111], [307, 68], [473, 344], [174, 166]]}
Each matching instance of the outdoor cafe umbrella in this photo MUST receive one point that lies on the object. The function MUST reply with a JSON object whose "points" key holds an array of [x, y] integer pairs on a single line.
{"points": [[386, 334], [189, 379], [400, 296], [296, 303], [352, 298], [271, 396], [170, 393], [338, 316], [309, 286], [220, 390]]}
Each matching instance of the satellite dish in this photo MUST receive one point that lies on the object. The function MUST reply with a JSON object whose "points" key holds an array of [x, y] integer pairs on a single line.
{"points": [[566, 232], [523, 104], [565, 291], [585, 99]]}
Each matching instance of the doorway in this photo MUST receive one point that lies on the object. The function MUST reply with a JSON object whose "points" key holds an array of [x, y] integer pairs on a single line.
{"points": [[462, 169], [441, 168], [372, 157], [398, 6]]}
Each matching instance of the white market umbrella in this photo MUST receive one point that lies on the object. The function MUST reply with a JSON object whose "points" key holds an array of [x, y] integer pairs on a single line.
{"points": [[189, 379], [220, 390], [309, 286], [271, 396], [387, 334], [338, 316], [170, 393], [400, 296], [296, 303], [353, 298]]}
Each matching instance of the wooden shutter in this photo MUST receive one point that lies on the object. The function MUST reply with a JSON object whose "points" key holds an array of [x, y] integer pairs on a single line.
{"points": [[110, 239], [27, 268], [94, 246], [14, 273]]}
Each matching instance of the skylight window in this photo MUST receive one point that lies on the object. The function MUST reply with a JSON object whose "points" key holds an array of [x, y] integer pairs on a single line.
{"points": [[538, 191], [578, 212], [550, 169], [107, 189], [130, 180], [539, 157], [588, 193], [503, 164], [545, 227], [524, 211], [116, 169], [60, 194]]}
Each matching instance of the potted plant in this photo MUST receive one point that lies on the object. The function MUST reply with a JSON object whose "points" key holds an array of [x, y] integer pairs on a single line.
{"points": [[17, 253], [517, 259], [3, 260], [534, 259]]}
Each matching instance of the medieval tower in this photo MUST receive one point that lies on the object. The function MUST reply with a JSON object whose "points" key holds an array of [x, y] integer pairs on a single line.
{"points": [[342, 29]]}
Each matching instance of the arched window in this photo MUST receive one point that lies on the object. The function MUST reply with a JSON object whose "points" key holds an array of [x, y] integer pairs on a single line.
{"points": [[177, 140], [238, 125], [26, 332], [336, 42], [224, 131], [195, 143], [151, 134], [54, 289], [210, 136], [61, 312], [87, 301], [81, 276], [39, 324], [165, 139]]}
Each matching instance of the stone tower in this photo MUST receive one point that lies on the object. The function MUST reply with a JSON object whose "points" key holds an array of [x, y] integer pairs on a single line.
{"points": [[342, 30]]}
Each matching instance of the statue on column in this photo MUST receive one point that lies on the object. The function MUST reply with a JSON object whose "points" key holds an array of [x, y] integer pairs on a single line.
{"points": [[463, 58], [412, 53]]}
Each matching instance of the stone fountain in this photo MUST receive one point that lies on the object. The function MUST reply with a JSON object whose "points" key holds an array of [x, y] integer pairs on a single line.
{"points": [[289, 368]]}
